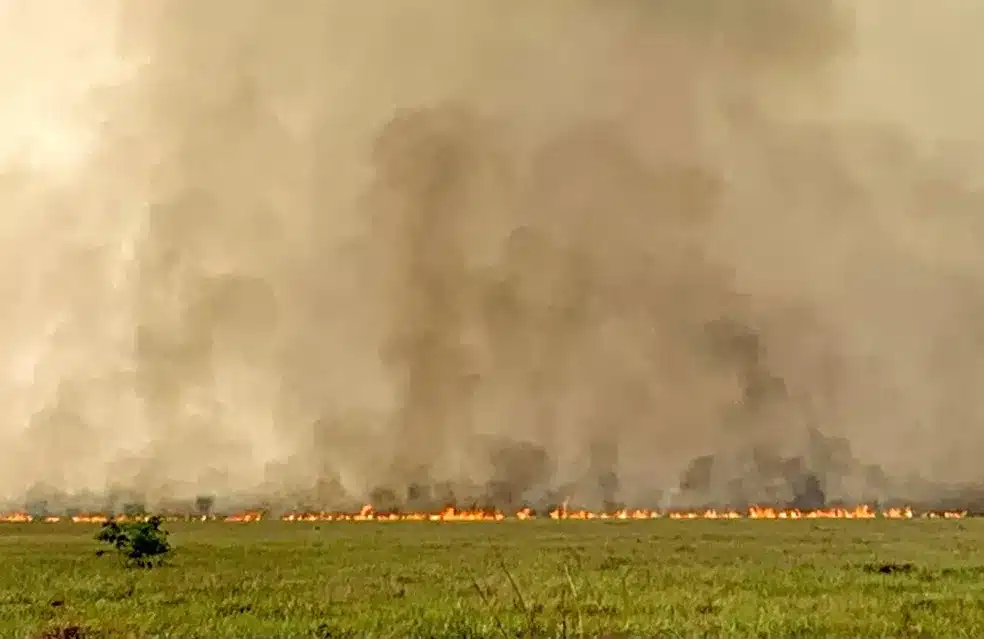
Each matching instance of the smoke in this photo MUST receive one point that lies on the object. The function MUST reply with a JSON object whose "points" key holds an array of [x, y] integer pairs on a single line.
{"points": [[656, 253]]}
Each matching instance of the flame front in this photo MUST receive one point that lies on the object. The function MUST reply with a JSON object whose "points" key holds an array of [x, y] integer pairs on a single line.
{"points": [[561, 513]]}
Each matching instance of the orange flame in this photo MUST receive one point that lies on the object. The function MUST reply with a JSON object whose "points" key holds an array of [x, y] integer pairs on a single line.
{"points": [[561, 513], [566, 514], [245, 517]]}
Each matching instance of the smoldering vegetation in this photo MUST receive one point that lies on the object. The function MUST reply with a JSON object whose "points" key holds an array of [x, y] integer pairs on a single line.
{"points": [[424, 253]]}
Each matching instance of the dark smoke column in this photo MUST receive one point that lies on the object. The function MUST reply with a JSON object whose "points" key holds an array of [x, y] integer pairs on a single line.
{"points": [[426, 167]]}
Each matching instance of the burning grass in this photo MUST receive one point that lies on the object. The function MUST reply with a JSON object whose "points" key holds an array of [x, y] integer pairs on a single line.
{"points": [[619, 577], [452, 514]]}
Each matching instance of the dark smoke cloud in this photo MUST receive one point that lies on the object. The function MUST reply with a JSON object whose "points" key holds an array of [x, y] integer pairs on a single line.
{"points": [[637, 253]]}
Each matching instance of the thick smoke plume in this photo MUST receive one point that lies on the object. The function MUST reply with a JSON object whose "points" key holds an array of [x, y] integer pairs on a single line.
{"points": [[655, 252]]}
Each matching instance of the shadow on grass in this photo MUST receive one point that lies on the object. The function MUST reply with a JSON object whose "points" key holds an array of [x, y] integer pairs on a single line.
{"points": [[65, 632], [889, 568]]}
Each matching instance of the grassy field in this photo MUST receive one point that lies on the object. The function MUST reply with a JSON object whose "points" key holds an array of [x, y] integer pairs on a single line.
{"points": [[721, 578]]}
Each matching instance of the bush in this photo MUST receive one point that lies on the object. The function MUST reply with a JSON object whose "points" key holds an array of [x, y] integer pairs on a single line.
{"points": [[141, 543]]}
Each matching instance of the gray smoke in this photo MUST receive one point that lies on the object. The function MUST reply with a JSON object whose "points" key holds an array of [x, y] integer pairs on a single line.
{"points": [[654, 253]]}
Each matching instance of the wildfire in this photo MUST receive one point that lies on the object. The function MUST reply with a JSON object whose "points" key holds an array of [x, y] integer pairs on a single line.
{"points": [[245, 517], [565, 514], [561, 513]]}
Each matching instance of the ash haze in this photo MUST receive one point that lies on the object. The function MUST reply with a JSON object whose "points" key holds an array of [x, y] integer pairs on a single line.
{"points": [[653, 252]]}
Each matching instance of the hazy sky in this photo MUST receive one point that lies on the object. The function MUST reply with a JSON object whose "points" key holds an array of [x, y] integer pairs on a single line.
{"points": [[52, 53]]}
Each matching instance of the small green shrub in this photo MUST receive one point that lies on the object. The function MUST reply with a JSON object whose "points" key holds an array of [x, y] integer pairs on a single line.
{"points": [[142, 543]]}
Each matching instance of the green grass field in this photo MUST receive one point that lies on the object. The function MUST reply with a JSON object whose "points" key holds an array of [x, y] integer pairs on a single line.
{"points": [[720, 578]]}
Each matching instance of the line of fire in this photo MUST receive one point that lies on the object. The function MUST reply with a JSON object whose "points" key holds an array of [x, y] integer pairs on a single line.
{"points": [[562, 513]]}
